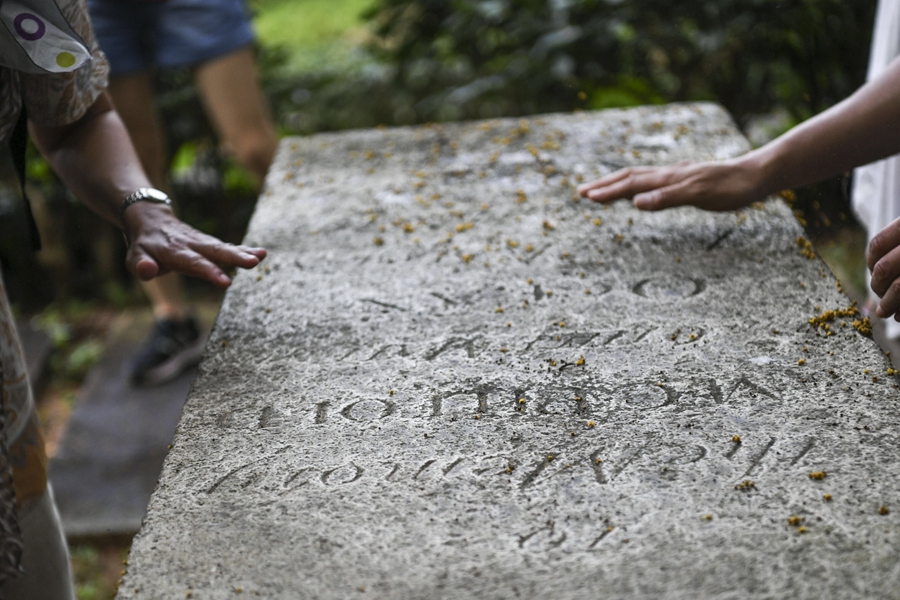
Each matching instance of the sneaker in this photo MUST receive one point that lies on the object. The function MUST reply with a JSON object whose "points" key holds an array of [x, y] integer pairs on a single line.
{"points": [[170, 349]]}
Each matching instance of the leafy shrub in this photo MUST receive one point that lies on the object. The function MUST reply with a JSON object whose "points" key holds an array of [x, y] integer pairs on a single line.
{"points": [[481, 58]]}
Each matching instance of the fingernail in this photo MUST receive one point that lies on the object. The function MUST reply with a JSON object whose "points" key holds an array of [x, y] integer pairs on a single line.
{"points": [[879, 312]]}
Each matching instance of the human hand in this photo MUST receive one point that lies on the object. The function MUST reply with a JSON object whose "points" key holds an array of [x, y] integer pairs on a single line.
{"points": [[718, 186], [883, 259], [158, 242]]}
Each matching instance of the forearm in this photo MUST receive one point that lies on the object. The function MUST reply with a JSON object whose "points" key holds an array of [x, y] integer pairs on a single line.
{"points": [[95, 159], [863, 128]]}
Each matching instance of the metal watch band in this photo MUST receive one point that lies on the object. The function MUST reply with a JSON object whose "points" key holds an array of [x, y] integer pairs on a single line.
{"points": [[144, 195]]}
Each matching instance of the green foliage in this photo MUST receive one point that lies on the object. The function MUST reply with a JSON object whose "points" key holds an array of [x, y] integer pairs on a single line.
{"points": [[481, 58], [77, 347], [37, 169], [82, 357], [238, 180], [312, 32], [55, 326], [95, 570], [627, 91], [184, 159]]}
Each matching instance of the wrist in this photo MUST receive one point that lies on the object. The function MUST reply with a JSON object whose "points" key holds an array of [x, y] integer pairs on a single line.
{"points": [[143, 215], [762, 167], [144, 194]]}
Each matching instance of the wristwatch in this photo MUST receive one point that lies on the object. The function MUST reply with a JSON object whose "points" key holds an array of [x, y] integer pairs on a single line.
{"points": [[144, 195]]}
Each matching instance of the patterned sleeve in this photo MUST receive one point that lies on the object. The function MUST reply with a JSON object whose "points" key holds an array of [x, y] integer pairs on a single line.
{"points": [[61, 99]]}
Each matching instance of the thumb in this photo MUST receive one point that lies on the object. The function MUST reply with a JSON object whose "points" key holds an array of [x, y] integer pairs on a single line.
{"points": [[141, 264]]}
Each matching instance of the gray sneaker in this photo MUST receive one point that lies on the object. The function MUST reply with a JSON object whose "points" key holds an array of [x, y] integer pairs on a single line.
{"points": [[171, 348]]}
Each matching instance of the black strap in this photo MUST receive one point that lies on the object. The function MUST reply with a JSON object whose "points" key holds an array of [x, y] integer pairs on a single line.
{"points": [[18, 144]]}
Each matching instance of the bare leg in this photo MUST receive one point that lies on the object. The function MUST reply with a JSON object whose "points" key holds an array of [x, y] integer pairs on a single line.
{"points": [[133, 96], [237, 109]]}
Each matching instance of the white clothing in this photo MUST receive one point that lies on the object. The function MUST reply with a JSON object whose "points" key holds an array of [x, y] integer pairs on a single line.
{"points": [[876, 186]]}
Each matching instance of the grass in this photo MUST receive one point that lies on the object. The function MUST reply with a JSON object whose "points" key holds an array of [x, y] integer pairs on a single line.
{"points": [[97, 566], [316, 34]]}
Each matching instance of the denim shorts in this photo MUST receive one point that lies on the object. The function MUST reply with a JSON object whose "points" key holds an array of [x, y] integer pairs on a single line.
{"points": [[136, 36]]}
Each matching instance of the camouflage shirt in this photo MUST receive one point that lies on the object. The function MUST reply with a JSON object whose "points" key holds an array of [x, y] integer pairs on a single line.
{"points": [[59, 98], [50, 99]]}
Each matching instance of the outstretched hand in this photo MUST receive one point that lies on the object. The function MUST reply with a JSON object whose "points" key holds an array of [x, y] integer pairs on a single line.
{"points": [[716, 186], [729, 185], [159, 243]]}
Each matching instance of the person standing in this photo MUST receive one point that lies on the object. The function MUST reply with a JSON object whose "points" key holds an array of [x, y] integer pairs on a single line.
{"points": [[214, 39]]}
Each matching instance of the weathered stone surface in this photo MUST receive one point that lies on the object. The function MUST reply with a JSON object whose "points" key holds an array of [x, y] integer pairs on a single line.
{"points": [[389, 411]]}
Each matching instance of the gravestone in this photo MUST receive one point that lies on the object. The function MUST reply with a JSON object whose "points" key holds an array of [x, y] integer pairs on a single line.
{"points": [[452, 379]]}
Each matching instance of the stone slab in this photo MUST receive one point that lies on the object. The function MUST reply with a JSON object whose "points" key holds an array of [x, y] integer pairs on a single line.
{"points": [[112, 452], [452, 380]]}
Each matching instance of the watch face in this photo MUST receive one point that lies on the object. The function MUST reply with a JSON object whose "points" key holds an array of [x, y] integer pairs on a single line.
{"points": [[156, 194]]}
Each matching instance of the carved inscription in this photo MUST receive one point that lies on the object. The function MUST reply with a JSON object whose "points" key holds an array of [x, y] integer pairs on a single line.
{"points": [[343, 474], [579, 397], [580, 441], [664, 286], [668, 287], [556, 340], [368, 410], [471, 346], [474, 347], [461, 403], [601, 461]]}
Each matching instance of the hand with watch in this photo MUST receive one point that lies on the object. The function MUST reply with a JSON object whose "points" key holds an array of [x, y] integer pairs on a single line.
{"points": [[95, 158], [158, 242]]}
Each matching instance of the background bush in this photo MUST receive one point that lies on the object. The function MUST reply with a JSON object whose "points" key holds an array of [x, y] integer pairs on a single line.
{"points": [[459, 59]]}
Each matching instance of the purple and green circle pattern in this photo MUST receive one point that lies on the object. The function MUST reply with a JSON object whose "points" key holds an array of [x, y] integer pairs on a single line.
{"points": [[29, 26], [32, 28]]}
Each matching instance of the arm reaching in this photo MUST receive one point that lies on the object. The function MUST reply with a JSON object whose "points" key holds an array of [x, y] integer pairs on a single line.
{"points": [[861, 129], [95, 158], [723, 185]]}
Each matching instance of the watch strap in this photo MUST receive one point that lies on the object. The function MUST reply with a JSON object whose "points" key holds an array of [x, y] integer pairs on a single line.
{"points": [[144, 195]]}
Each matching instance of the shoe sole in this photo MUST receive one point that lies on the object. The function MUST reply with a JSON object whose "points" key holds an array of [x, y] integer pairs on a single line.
{"points": [[175, 366]]}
